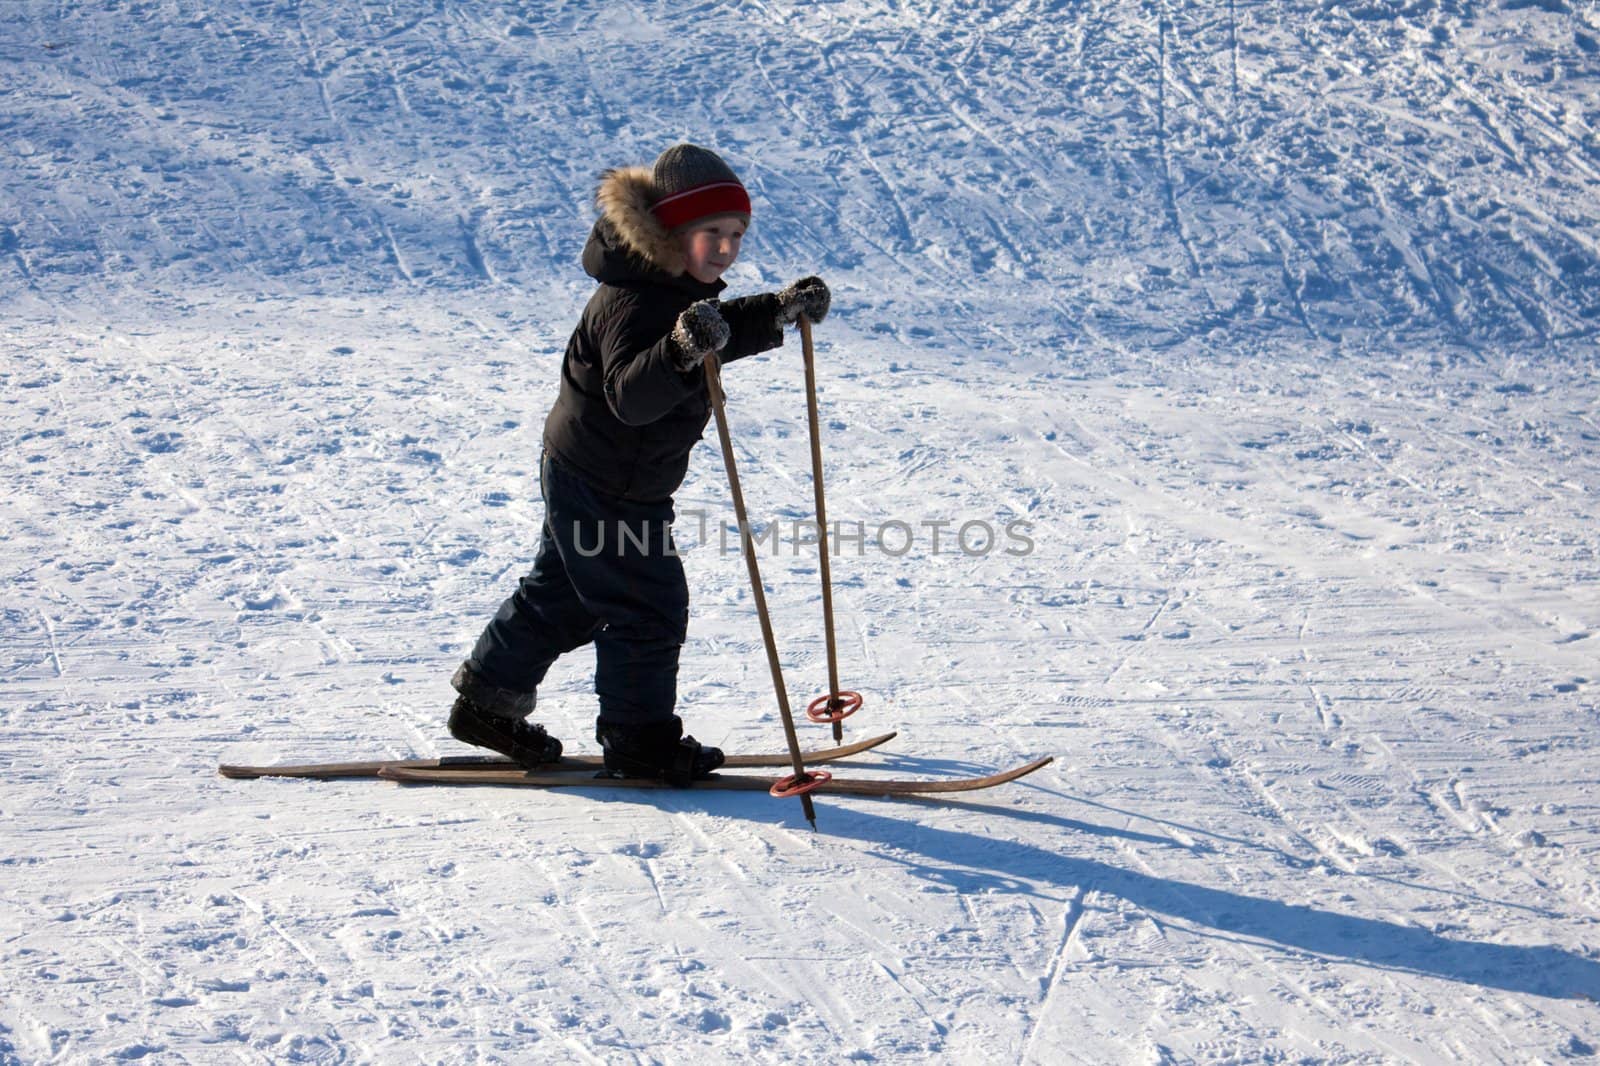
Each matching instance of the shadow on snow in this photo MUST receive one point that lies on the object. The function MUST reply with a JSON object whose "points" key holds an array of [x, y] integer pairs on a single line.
{"points": [[967, 862]]}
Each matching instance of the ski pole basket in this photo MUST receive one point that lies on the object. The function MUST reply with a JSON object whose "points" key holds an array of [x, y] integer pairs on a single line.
{"points": [[799, 784], [834, 708]]}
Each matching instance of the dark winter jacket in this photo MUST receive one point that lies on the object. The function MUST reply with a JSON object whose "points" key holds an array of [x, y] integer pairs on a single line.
{"points": [[626, 418]]}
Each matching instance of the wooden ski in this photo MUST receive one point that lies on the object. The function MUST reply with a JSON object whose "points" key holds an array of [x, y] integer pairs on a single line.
{"points": [[854, 786], [477, 763]]}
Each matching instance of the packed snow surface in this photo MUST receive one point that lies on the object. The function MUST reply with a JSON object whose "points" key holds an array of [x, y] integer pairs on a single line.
{"points": [[1210, 402]]}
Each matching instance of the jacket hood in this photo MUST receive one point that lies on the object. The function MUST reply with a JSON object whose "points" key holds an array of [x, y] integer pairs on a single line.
{"points": [[624, 199]]}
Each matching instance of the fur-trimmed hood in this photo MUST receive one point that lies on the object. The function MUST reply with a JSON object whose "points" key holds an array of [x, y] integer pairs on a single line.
{"points": [[624, 199]]}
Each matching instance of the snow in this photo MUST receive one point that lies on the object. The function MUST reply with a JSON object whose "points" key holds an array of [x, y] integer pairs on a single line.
{"points": [[1261, 334]]}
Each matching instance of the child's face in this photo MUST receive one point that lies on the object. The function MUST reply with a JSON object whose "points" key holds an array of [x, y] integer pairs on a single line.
{"points": [[710, 247]]}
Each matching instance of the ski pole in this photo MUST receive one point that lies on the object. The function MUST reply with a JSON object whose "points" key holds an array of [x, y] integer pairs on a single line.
{"points": [[836, 706], [800, 783]]}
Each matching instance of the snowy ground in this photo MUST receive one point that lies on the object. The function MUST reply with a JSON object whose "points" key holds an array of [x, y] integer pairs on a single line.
{"points": [[1274, 322]]}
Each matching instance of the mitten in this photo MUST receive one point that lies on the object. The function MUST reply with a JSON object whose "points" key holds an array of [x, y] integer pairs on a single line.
{"points": [[700, 331], [808, 296]]}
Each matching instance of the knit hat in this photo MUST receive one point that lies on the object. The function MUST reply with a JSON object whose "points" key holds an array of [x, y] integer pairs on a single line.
{"points": [[692, 183]]}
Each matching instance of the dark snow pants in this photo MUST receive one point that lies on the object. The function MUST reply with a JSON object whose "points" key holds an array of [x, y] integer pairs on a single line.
{"points": [[606, 572]]}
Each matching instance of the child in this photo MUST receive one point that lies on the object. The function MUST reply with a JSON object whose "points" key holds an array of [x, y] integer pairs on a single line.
{"points": [[633, 403]]}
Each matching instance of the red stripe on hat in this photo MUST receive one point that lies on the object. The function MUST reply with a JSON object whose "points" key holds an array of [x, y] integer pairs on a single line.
{"points": [[702, 201]]}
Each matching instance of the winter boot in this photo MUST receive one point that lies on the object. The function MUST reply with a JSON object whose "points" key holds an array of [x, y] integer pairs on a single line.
{"points": [[655, 750], [496, 718]]}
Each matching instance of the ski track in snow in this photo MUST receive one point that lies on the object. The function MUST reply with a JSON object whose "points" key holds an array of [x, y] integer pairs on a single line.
{"points": [[1273, 321]]}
